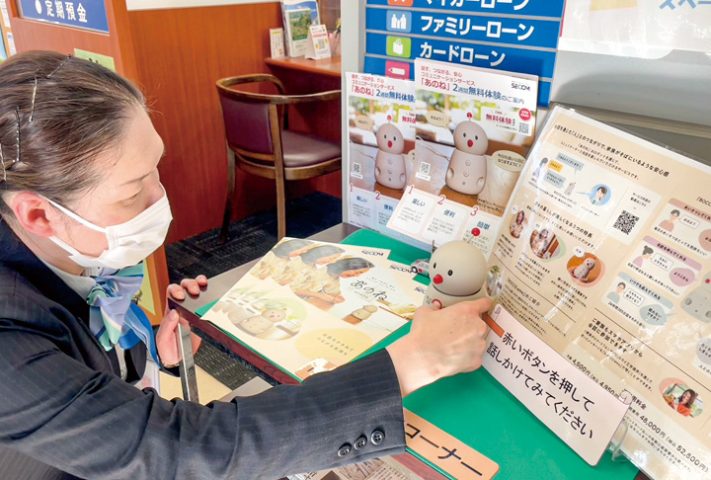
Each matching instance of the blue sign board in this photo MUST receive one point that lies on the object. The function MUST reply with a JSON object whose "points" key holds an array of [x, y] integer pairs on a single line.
{"points": [[512, 35], [85, 14]]}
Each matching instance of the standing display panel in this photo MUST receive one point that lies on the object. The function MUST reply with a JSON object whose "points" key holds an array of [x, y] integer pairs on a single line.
{"points": [[513, 35]]}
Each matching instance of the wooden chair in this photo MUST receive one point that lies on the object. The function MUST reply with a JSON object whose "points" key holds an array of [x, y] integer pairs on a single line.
{"points": [[259, 143]]}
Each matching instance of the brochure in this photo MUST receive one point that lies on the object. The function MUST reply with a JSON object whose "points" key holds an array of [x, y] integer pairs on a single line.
{"points": [[310, 306], [381, 148], [606, 256], [276, 42], [298, 16], [474, 127]]}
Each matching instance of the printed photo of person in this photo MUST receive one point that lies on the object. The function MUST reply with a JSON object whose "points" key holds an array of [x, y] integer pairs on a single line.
{"points": [[684, 400], [539, 169], [517, 224], [668, 224], [544, 243], [599, 195], [494, 281], [646, 255], [615, 296]]}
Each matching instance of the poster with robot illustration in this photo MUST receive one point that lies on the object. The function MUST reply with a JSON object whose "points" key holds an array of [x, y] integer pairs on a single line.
{"points": [[311, 306], [381, 147], [606, 256], [473, 130]]}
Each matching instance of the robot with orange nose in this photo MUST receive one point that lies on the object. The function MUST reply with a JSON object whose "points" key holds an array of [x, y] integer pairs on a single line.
{"points": [[458, 272]]}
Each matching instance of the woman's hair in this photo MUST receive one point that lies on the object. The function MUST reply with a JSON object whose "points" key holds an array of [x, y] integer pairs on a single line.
{"points": [[338, 267], [284, 249], [647, 250], [56, 115], [520, 215], [692, 396], [313, 255]]}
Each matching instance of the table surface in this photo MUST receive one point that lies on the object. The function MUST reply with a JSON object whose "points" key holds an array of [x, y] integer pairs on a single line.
{"points": [[220, 284], [326, 66]]}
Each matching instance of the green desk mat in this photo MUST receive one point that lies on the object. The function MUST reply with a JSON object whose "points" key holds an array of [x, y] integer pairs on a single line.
{"points": [[478, 411]]}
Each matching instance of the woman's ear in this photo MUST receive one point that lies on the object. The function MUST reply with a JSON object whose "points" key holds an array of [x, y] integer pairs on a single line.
{"points": [[33, 213]]}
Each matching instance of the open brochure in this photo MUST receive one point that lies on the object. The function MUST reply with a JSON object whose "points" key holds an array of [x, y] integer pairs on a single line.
{"points": [[606, 256], [310, 307]]}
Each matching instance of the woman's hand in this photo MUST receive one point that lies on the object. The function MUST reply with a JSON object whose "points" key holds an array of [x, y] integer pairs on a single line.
{"points": [[167, 335], [193, 287], [441, 343]]}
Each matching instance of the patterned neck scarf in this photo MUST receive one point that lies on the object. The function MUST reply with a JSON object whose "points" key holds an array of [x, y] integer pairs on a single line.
{"points": [[115, 319]]}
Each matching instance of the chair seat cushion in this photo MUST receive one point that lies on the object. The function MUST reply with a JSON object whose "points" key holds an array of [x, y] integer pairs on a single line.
{"points": [[303, 150]]}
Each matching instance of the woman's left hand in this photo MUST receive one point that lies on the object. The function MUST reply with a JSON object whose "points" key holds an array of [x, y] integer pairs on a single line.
{"points": [[167, 335]]}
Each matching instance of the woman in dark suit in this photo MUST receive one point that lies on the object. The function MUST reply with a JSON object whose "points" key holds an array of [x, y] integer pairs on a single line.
{"points": [[82, 204]]}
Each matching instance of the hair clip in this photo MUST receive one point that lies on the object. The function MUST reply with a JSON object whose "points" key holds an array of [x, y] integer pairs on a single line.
{"points": [[4, 169], [32, 105], [17, 114], [61, 64]]}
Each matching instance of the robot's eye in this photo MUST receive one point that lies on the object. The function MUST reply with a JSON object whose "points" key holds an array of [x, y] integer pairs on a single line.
{"points": [[450, 273], [385, 137], [435, 265], [476, 137], [394, 139], [464, 135]]}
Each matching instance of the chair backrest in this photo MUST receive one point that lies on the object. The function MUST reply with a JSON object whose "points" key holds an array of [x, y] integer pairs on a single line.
{"points": [[248, 116]]}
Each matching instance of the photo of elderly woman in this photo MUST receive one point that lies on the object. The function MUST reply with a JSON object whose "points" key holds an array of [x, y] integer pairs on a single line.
{"points": [[517, 224]]}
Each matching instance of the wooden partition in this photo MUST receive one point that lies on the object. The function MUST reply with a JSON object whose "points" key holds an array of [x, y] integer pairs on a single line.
{"points": [[176, 55]]}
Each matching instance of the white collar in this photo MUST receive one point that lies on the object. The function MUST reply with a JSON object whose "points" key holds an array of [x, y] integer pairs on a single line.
{"points": [[81, 284]]}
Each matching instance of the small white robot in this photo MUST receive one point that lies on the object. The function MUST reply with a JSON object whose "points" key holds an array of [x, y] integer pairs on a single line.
{"points": [[389, 161], [467, 166], [582, 271], [457, 273]]}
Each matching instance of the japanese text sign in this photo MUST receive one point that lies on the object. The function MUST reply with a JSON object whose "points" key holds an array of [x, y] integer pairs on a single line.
{"points": [[578, 410], [85, 14], [515, 35], [445, 451]]}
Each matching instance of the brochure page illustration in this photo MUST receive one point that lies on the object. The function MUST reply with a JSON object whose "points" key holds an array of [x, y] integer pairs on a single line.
{"points": [[473, 127], [606, 256], [310, 307]]}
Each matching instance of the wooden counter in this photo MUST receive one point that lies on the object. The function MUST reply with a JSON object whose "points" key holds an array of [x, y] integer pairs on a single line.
{"points": [[328, 66]]}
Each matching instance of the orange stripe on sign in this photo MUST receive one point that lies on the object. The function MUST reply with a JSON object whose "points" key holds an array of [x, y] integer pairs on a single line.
{"points": [[495, 327], [439, 448]]}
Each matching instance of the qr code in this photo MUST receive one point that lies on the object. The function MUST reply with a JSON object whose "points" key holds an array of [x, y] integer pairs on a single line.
{"points": [[524, 128], [626, 222], [356, 170], [424, 171]]}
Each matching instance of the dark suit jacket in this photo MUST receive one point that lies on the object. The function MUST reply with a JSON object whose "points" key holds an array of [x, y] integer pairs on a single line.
{"points": [[62, 403]]}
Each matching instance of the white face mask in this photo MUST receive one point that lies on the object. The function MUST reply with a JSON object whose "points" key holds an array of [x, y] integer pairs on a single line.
{"points": [[129, 243]]}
